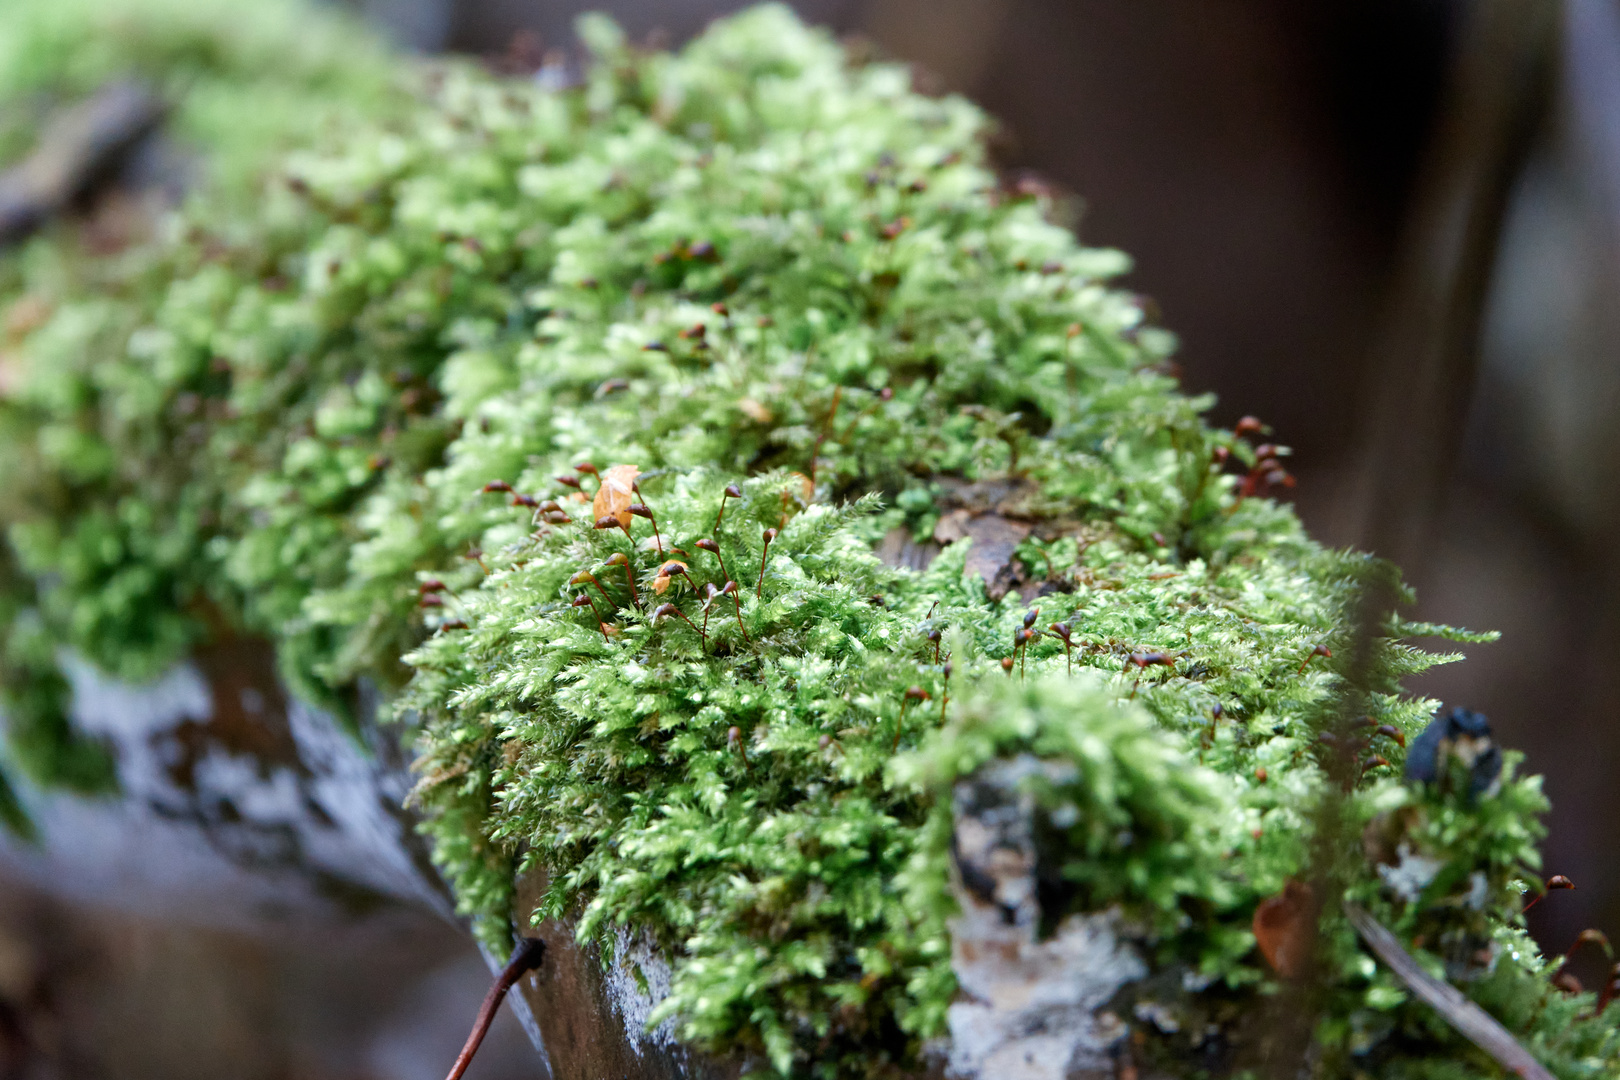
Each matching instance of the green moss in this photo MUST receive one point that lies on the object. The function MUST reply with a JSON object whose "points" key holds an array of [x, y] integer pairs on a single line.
{"points": [[753, 263], [107, 530]]}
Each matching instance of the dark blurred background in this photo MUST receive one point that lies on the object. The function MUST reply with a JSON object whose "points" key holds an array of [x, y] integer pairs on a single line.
{"points": [[1388, 228]]}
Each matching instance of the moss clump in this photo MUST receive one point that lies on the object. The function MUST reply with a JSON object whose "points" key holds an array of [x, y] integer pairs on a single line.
{"points": [[457, 417], [106, 516]]}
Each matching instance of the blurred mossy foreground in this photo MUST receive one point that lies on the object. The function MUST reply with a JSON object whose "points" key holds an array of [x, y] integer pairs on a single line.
{"points": [[571, 420]]}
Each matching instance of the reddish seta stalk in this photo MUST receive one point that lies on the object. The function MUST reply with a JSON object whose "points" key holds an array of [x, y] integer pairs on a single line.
{"points": [[759, 590]]}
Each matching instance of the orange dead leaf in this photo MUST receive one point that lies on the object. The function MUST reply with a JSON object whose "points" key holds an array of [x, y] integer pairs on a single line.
{"points": [[661, 582], [1285, 929], [616, 494], [755, 411]]}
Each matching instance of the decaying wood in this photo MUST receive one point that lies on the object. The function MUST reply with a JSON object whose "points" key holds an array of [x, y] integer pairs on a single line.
{"points": [[1474, 1023], [239, 808], [1032, 1006], [901, 551], [78, 146], [994, 537], [591, 1018]]}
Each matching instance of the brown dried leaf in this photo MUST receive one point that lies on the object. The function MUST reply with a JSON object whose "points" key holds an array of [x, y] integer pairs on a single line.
{"points": [[616, 494], [1285, 929]]}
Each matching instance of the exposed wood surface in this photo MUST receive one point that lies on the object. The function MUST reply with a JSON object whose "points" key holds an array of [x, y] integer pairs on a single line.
{"points": [[592, 1021]]}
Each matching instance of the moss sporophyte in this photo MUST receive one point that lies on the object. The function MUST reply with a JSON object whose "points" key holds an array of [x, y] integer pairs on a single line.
{"points": [[575, 421]]}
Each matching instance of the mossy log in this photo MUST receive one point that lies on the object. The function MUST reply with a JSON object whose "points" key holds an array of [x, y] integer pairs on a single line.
{"points": [[808, 594]]}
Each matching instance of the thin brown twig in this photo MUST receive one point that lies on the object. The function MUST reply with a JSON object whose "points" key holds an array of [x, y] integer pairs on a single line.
{"points": [[525, 958], [1472, 1022]]}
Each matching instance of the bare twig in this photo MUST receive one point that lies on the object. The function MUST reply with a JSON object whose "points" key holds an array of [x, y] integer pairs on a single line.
{"points": [[525, 958], [1472, 1022], [79, 146]]}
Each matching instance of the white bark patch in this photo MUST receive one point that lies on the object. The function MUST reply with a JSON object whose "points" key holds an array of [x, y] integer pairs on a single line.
{"points": [[1028, 1009], [634, 956], [1033, 1010]]}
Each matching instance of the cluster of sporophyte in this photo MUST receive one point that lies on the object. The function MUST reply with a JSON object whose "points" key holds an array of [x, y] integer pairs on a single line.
{"points": [[571, 419]]}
